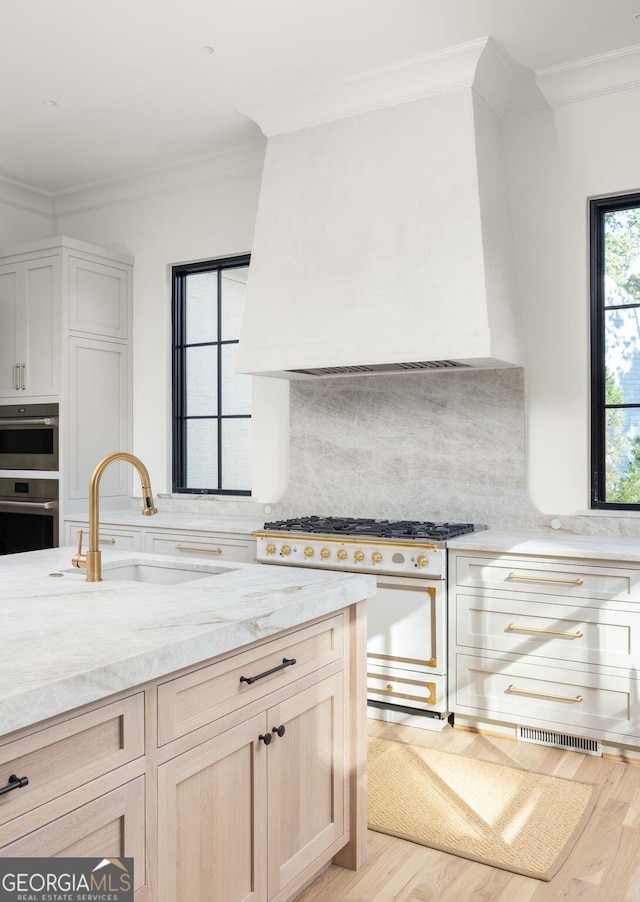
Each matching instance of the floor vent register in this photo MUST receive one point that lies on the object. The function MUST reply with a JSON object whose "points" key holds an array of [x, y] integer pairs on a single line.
{"points": [[560, 740]]}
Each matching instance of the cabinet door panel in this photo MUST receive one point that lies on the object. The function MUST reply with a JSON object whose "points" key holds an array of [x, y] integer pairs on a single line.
{"points": [[41, 326], [306, 779], [59, 758], [98, 422], [97, 298], [112, 826], [9, 298], [110, 537], [201, 545], [212, 814]]}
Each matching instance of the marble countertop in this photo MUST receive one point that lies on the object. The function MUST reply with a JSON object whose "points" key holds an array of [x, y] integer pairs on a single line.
{"points": [[177, 520], [67, 642], [548, 544]]}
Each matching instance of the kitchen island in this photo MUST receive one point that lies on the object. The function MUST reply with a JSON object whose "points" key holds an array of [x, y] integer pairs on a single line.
{"points": [[223, 717]]}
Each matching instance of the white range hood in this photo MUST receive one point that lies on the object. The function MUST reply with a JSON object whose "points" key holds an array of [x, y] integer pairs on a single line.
{"points": [[382, 240]]}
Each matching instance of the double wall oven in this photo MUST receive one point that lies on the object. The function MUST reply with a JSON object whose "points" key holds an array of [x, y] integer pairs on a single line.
{"points": [[407, 618], [29, 516]]}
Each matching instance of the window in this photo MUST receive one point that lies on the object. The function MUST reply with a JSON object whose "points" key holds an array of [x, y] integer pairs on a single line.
{"points": [[211, 402], [615, 351]]}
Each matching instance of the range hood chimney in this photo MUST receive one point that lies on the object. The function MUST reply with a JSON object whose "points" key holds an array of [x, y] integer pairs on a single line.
{"points": [[382, 241]]}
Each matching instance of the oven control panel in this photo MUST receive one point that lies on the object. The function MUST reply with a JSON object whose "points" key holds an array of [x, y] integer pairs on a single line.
{"points": [[409, 559]]}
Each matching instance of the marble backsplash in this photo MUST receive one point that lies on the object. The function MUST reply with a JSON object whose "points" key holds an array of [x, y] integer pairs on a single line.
{"points": [[428, 446], [424, 446]]}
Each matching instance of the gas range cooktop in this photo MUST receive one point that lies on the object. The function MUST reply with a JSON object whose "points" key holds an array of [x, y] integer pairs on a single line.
{"points": [[406, 530]]}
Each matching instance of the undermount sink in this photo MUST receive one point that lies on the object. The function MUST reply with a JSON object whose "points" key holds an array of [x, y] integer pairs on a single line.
{"points": [[157, 572]]}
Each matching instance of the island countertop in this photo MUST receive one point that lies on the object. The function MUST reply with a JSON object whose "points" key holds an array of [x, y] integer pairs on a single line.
{"points": [[67, 642]]}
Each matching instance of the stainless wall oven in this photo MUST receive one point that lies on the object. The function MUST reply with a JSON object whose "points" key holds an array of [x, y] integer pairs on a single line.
{"points": [[29, 437], [28, 514]]}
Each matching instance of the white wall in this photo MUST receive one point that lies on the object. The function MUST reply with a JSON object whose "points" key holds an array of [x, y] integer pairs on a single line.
{"points": [[558, 157], [24, 215], [172, 217]]}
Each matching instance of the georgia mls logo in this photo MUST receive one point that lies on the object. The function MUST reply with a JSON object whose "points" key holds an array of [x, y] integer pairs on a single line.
{"points": [[66, 880], [116, 862]]}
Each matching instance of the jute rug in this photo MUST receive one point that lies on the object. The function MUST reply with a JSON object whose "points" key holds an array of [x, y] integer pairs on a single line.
{"points": [[498, 815]]}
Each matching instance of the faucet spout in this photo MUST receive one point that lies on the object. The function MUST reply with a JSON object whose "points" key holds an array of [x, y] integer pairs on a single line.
{"points": [[92, 560]]}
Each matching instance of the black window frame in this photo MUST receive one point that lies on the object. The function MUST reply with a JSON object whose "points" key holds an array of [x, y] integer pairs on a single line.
{"points": [[598, 208], [179, 415]]}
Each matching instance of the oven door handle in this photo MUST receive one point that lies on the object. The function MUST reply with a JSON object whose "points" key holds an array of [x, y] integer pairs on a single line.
{"points": [[29, 421], [28, 505]]}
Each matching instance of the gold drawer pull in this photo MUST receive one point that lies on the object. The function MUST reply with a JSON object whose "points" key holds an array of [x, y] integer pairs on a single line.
{"points": [[390, 687], [105, 541], [553, 698], [532, 629], [545, 579], [198, 548]]}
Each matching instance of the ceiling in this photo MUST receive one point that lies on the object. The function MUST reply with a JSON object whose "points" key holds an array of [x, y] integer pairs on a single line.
{"points": [[136, 92]]}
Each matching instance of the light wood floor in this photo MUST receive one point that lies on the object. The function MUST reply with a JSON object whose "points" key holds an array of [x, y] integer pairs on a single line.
{"points": [[604, 866]]}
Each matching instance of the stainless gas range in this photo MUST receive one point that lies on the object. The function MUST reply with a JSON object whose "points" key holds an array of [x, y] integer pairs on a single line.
{"points": [[407, 618]]}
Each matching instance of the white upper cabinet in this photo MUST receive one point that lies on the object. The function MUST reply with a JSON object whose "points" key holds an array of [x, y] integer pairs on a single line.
{"points": [[65, 330], [30, 328], [98, 298]]}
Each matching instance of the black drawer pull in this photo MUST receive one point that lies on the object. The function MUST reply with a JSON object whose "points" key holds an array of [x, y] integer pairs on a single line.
{"points": [[286, 662], [279, 730], [14, 783], [266, 738]]}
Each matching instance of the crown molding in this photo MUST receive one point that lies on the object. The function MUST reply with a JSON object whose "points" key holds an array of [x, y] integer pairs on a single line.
{"points": [[583, 79], [22, 197], [435, 73], [182, 176]]}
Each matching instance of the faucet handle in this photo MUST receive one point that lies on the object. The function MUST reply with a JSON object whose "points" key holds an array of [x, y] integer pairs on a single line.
{"points": [[79, 559]]}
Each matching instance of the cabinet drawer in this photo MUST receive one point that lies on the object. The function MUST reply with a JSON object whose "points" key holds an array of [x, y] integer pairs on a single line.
{"points": [[111, 826], [508, 623], [191, 701], [110, 537], [404, 687], [566, 578], [206, 546], [67, 755], [534, 694]]}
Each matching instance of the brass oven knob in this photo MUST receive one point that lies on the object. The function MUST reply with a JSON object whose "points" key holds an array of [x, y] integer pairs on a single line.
{"points": [[358, 556], [285, 550], [324, 553], [342, 555], [376, 557], [308, 552], [422, 560], [270, 549]]}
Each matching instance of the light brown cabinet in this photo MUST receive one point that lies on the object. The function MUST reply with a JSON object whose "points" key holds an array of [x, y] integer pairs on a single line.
{"points": [[110, 826], [85, 794], [306, 787], [233, 781], [212, 810], [244, 814]]}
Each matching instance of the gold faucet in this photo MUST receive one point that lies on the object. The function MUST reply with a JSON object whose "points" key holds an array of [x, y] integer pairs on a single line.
{"points": [[92, 560]]}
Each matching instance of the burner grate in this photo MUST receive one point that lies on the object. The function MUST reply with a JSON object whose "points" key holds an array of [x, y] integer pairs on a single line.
{"points": [[357, 526]]}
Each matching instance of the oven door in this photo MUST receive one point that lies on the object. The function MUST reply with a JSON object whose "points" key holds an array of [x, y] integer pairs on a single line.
{"points": [[28, 443], [406, 643], [28, 514]]}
